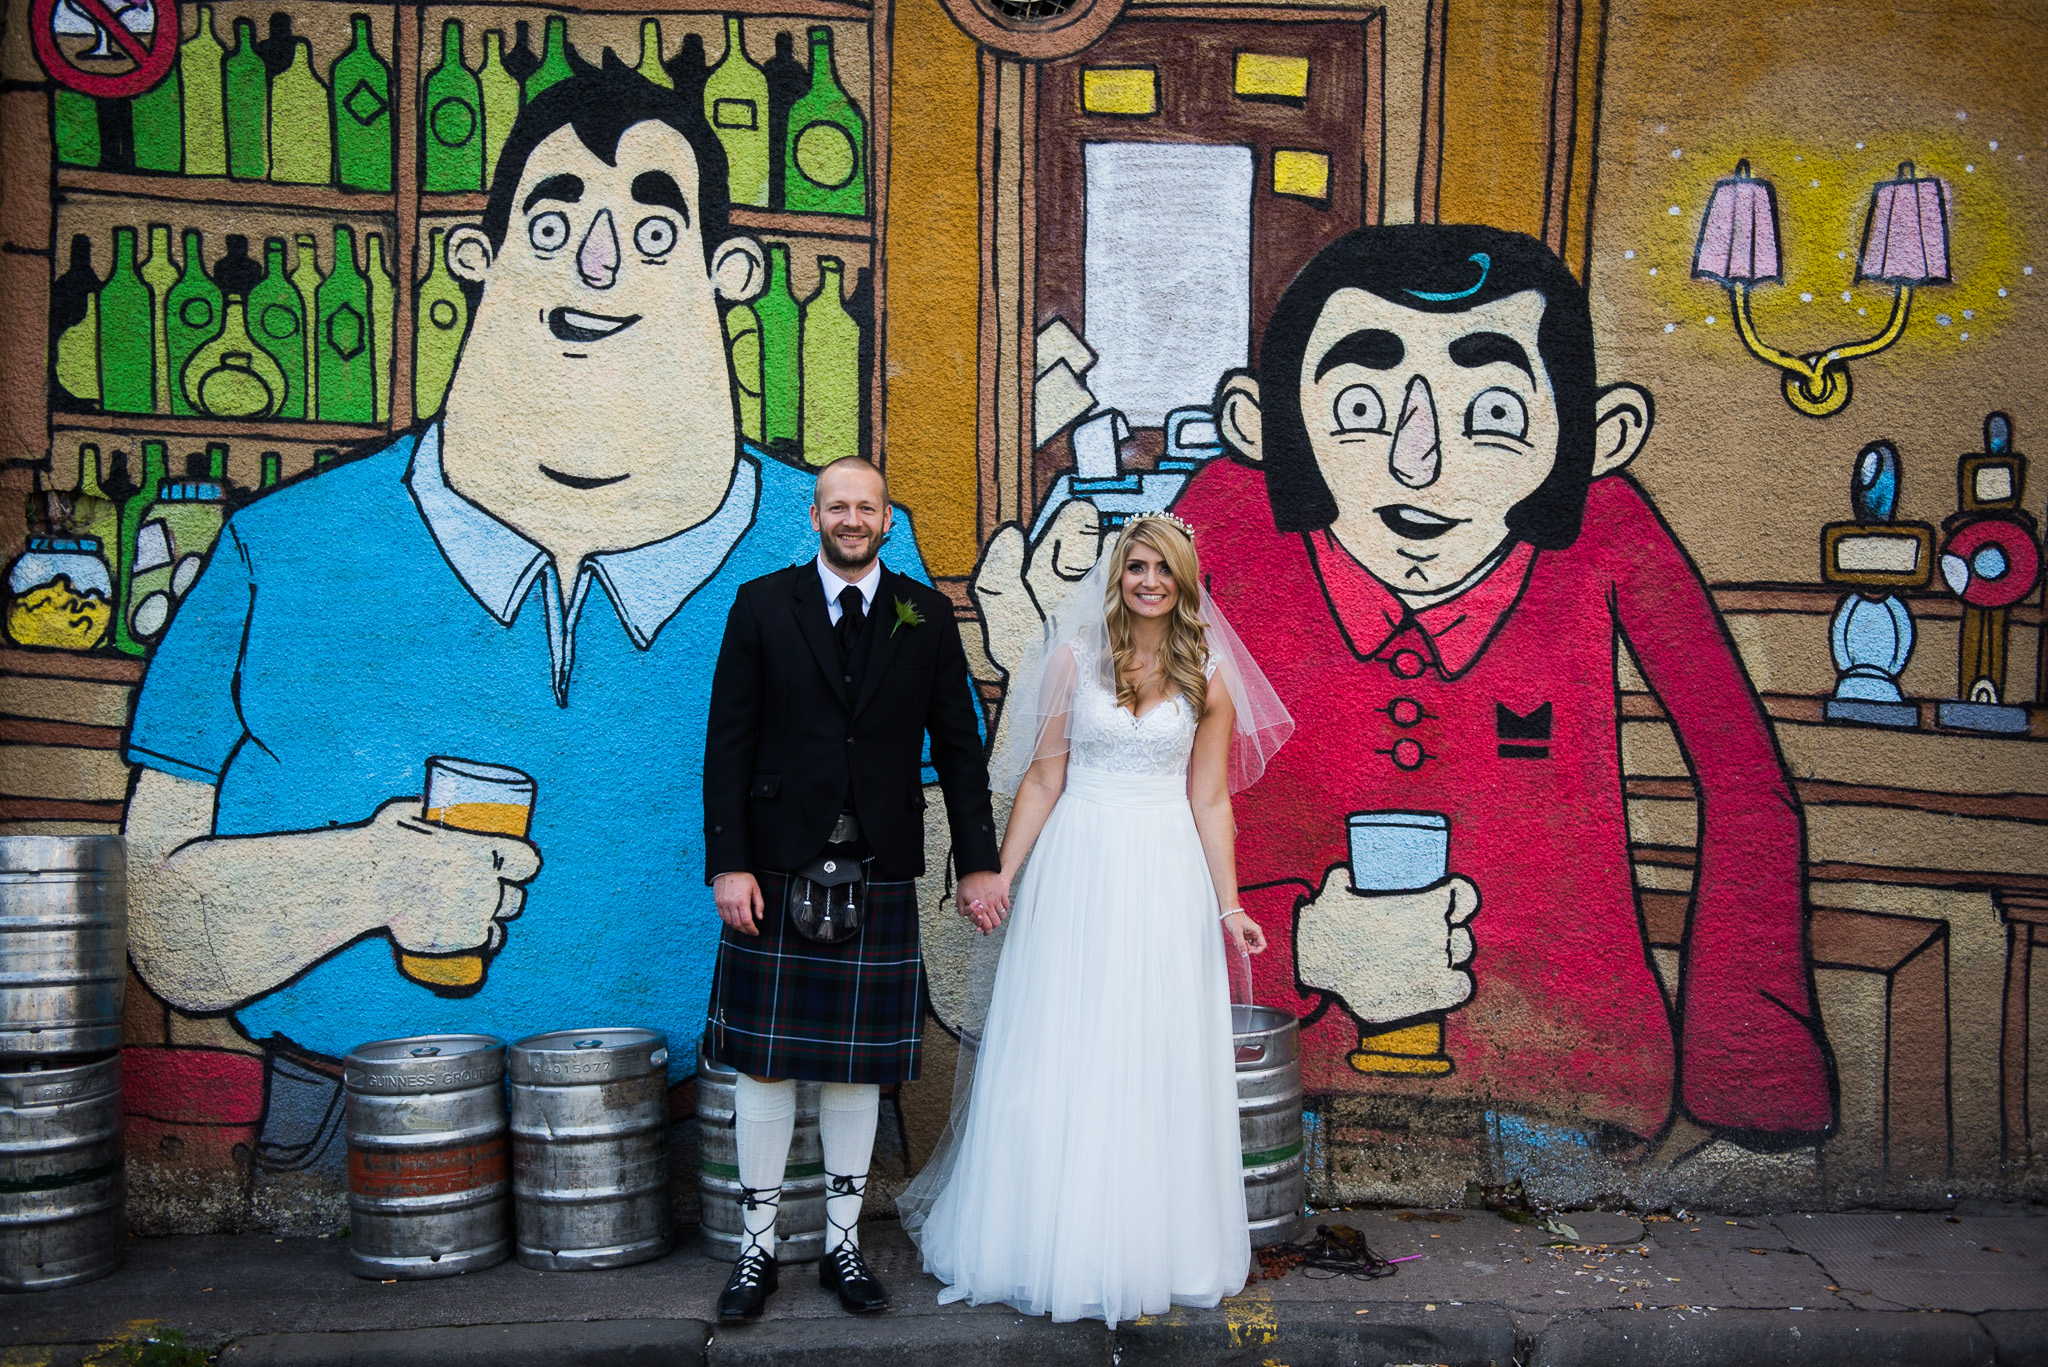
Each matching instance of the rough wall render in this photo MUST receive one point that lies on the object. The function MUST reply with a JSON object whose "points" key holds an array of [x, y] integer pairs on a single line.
{"points": [[1609, 425]]}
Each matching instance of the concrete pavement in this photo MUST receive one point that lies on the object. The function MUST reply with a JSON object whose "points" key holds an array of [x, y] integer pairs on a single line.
{"points": [[1968, 1288]]}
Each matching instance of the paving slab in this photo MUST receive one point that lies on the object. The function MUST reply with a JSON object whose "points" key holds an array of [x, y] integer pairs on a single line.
{"points": [[1756, 1338], [1924, 1261], [1249, 1330]]}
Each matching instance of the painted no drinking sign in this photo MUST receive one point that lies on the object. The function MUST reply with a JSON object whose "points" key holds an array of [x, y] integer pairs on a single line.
{"points": [[108, 48]]}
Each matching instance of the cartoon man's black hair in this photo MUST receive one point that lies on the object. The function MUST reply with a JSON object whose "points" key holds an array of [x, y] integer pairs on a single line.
{"points": [[601, 105], [1433, 268]]}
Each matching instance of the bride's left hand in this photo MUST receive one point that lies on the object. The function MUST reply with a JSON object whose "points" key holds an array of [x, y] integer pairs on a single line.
{"points": [[1246, 935]]}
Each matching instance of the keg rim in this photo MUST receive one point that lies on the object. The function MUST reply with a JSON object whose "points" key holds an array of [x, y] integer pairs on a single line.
{"points": [[1260, 1020], [25, 1081], [63, 853], [387, 1060], [614, 1052]]}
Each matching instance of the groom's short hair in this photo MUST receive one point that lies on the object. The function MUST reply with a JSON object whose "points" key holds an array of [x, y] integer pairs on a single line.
{"points": [[865, 464]]}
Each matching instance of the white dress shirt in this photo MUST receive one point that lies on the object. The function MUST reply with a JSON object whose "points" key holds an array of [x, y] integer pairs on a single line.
{"points": [[834, 586]]}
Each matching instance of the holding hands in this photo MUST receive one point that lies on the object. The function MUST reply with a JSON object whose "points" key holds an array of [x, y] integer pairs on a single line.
{"points": [[984, 899]]}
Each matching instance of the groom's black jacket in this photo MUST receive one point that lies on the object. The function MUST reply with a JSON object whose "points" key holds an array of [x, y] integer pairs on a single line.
{"points": [[789, 740]]}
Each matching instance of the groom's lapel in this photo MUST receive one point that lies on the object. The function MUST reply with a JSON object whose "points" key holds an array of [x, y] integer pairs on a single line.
{"points": [[807, 601], [882, 648]]}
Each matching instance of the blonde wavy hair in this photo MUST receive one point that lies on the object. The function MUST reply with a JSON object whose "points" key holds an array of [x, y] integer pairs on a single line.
{"points": [[1184, 659]]}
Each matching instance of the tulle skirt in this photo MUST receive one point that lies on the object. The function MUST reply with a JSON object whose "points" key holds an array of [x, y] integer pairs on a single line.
{"points": [[1096, 1171]]}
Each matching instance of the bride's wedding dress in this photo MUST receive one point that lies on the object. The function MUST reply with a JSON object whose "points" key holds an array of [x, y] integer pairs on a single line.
{"points": [[1097, 1173]]}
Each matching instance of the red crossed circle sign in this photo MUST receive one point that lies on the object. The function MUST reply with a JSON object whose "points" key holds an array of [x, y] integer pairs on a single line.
{"points": [[151, 55]]}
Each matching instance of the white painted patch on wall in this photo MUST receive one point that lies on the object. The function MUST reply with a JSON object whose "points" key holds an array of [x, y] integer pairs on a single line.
{"points": [[1167, 278]]}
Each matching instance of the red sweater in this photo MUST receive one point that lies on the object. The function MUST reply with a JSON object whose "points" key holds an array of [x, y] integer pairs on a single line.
{"points": [[1441, 711]]}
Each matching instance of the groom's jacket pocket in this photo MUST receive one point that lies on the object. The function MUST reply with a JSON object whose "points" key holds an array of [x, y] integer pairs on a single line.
{"points": [[764, 785]]}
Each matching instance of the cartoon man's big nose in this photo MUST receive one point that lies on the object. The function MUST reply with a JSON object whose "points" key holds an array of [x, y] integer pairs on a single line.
{"points": [[1417, 457], [597, 260]]}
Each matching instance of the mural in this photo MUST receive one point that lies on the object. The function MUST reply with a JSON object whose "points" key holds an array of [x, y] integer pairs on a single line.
{"points": [[1609, 433]]}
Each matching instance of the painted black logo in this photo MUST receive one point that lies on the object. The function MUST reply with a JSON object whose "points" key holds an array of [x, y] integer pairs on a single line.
{"points": [[1522, 737]]}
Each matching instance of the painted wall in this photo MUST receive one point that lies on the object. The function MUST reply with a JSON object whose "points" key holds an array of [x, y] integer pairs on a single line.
{"points": [[1695, 919]]}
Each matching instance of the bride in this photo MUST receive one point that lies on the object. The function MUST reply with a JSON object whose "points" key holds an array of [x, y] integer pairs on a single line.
{"points": [[1092, 1168]]}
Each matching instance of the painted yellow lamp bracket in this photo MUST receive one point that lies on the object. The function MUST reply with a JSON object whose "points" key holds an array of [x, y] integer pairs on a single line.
{"points": [[1817, 384]]}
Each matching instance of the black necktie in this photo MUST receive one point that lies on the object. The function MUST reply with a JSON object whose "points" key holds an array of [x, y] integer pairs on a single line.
{"points": [[851, 619]]}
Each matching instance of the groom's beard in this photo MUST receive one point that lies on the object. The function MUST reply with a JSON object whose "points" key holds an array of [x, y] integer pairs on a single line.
{"points": [[836, 557]]}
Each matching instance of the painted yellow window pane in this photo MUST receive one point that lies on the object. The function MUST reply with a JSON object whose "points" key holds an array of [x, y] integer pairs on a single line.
{"points": [[1306, 174], [1261, 75], [1119, 90]]}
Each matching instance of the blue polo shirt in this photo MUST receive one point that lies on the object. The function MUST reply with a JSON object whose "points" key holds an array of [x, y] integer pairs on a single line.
{"points": [[350, 627]]}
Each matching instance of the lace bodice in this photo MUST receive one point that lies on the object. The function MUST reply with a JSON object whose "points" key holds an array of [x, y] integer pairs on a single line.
{"points": [[1103, 736]]}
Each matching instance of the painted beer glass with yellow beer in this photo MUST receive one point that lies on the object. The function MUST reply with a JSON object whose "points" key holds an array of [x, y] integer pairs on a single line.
{"points": [[488, 799]]}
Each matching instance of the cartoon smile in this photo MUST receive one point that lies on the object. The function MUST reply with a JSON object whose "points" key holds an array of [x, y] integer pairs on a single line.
{"points": [[1416, 523], [582, 481], [572, 325]]}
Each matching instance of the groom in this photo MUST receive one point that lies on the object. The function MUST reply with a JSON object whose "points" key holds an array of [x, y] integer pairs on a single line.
{"points": [[831, 674]]}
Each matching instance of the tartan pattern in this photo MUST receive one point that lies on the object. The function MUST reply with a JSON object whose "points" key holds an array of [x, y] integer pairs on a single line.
{"points": [[786, 1007]]}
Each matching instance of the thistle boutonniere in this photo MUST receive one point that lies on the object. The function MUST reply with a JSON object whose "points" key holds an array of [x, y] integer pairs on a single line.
{"points": [[906, 616]]}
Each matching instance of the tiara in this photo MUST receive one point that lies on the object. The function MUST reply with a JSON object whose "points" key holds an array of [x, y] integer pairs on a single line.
{"points": [[1162, 516]]}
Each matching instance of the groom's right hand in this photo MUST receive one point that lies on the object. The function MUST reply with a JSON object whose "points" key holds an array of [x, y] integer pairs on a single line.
{"points": [[739, 901]]}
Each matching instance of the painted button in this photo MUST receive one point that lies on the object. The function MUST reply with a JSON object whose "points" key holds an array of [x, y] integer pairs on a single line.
{"points": [[1404, 711], [1409, 664], [1408, 753]]}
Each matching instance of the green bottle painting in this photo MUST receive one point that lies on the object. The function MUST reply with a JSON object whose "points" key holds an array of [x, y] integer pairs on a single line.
{"points": [[273, 470], [650, 55], [155, 467], [736, 102], [127, 383], [200, 72], [101, 517], [77, 126], [831, 370], [75, 314], [362, 114], [158, 117], [453, 113], [500, 89], [554, 62], [306, 280], [382, 319], [301, 124], [246, 82], [440, 320], [160, 273], [743, 347], [192, 318], [826, 167], [231, 376], [277, 321], [781, 352], [342, 353]]}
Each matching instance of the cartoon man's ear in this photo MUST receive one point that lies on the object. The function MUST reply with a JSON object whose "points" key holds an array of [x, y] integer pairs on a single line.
{"points": [[470, 254], [1623, 413], [1238, 416], [739, 269]]}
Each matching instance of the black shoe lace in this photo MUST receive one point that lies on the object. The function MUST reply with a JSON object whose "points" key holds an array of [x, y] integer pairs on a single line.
{"points": [[752, 1269], [845, 1186]]}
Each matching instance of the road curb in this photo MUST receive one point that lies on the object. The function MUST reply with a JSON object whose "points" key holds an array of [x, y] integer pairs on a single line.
{"points": [[2021, 1336], [985, 1340], [595, 1343], [1766, 1338], [1321, 1334]]}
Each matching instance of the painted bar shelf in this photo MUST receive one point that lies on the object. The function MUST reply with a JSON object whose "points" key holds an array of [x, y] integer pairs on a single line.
{"points": [[225, 192], [173, 425]]}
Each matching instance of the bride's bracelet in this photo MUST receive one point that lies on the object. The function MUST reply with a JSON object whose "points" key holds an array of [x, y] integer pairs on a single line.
{"points": [[1234, 911]]}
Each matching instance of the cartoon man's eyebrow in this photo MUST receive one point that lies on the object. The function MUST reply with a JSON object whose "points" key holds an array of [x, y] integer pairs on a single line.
{"points": [[1476, 349], [1373, 348], [659, 187], [564, 187]]}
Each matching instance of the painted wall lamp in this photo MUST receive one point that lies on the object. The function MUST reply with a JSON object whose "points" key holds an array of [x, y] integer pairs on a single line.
{"points": [[1905, 245]]}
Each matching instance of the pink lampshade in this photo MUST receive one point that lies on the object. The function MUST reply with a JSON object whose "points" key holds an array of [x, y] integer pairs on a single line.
{"points": [[1905, 239], [1739, 237]]}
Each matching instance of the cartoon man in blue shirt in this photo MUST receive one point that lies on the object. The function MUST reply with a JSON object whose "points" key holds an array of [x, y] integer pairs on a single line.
{"points": [[537, 581]]}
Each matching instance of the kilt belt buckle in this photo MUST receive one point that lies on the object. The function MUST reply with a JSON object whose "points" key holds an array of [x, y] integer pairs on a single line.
{"points": [[825, 896]]}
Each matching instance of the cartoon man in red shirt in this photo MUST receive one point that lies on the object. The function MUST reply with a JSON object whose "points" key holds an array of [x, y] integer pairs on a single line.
{"points": [[1427, 547]]}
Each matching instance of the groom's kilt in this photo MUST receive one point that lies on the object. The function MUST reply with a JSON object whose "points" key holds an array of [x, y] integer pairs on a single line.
{"points": [[786, 1007]]}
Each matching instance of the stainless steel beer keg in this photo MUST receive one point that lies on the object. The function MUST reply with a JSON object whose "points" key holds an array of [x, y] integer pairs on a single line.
{"points": [[590, 1148], [1268, 1044], [63, 943], [62, 1189], [429, 1192]]}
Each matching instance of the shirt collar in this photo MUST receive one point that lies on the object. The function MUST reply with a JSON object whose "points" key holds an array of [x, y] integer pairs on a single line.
{"points": [[1454, 631], [646, 584], [867, 583]]}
